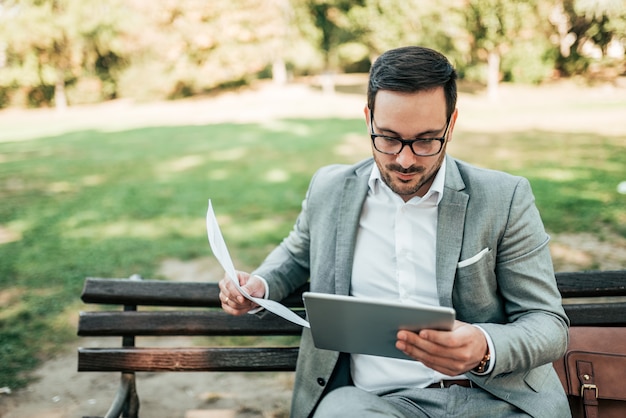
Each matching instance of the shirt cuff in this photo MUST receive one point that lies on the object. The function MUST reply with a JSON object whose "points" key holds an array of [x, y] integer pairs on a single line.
{"points": [[266, 295], [492, 353]]}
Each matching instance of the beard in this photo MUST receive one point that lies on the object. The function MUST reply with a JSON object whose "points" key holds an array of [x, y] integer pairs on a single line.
{"points": [[422, 179]]}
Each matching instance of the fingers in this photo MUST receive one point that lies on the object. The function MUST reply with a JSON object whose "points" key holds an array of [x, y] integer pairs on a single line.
{"points": [[449, 352], [418, 348], [431, 355], [233, 302], [254, 287]]}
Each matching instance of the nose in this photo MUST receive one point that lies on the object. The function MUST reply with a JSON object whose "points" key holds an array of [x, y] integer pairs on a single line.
{"points": [[405, 158]]}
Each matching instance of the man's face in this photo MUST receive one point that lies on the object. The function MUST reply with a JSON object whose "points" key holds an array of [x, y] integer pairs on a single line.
{"points": [[409, 116]]}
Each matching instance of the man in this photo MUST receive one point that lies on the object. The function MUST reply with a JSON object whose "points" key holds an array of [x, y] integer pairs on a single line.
{"points": [[412, 224]]}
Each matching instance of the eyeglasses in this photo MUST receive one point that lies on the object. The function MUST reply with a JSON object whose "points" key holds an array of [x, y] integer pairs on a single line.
{"points": [[423, 147]]}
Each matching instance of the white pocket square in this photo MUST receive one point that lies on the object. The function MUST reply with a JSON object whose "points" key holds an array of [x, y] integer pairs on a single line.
{"points": [[474, 259]]}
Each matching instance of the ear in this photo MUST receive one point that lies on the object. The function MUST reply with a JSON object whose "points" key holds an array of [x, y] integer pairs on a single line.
{"points": [[453, 117], [366, 111]]}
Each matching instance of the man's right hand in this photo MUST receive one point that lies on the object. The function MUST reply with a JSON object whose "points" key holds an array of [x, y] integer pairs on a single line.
{"points": [[233, 302]]}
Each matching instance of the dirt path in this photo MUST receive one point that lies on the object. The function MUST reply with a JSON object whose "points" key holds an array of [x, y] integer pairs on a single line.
{"points": [[59, 391], [62, 392]]}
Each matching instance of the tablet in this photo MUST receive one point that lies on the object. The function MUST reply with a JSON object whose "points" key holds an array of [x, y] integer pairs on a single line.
{"points": [[368, 326]]}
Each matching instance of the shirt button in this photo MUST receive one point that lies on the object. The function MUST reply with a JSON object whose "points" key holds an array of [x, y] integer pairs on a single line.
{"points": [[321, 381]]}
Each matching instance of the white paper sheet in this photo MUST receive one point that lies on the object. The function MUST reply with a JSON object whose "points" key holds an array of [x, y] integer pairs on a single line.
{"points": [[218, 246]]}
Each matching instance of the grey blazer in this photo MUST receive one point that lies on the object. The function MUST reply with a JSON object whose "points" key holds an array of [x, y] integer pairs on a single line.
{"points": [[511, 292]]}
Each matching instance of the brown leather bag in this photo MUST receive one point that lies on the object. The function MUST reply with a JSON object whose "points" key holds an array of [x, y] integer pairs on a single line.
{"points": [[593, 372]]}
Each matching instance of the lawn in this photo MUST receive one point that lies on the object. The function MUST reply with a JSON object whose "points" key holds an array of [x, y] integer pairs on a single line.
{"points": [[96, 203]]}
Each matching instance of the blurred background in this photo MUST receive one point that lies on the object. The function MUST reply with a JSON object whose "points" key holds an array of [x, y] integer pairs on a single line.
{"points": [[67, 52], [120, 118]]}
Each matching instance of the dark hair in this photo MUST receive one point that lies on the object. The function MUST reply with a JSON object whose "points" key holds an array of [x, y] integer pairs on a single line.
{"points": [[411, 69]]}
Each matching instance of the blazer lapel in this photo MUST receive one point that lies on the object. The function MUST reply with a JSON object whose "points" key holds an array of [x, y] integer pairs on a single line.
{"points": [[354, 192], [450, 227]]}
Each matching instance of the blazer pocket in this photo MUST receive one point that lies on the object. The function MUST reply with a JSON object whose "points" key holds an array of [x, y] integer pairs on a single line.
{"points": [[475, 287], [474, 259], [536, 377]]}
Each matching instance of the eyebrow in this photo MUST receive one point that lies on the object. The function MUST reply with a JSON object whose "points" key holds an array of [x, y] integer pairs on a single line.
{"points": [[431, 132]]}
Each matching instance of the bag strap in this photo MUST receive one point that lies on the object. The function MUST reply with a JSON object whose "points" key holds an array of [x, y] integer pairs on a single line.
{"points": [[588, 388]]}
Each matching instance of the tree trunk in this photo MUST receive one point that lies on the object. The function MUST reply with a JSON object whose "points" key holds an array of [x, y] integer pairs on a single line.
{"points": [[279, 72], [328, 82], [493, 75], [60, 99]]}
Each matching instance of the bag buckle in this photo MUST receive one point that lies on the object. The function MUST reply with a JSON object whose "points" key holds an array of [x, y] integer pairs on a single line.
{"points": [[588, 386]]}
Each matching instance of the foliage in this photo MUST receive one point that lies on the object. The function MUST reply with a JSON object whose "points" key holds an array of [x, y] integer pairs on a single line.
{"points": [[332, 18], [386, 24], [496, 28], [579, 22], [83, 51], [50, 43], [606, 20], [529, 61], [353, 32], [188, 47]]}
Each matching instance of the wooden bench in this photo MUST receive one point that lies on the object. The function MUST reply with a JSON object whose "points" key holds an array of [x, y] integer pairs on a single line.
{"points": [[193, 310]]}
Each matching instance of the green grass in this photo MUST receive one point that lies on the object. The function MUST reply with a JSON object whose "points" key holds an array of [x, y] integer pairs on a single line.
{"points": [[91, 203], [574, 176], [111, 204]]}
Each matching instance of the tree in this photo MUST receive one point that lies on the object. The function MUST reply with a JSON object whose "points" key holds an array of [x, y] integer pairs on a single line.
{"points": [[185, 47], [386, 24], [352, 34], [330, 27], [580, 21], [494, 25], [52, 42], [606, 19]]}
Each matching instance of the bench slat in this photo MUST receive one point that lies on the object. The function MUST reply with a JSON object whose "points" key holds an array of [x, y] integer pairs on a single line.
{"points": [[210, 359], [202, 294], [162, 293], [150, 293], [592, 283], [172, 323], [182, 323], [597, 314]]}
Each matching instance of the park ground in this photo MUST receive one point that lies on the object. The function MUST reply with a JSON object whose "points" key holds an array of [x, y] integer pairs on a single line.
{"points": [[59, 391]]}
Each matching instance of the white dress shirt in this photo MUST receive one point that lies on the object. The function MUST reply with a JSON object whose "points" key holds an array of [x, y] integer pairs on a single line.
{"points": [[395, 259]]}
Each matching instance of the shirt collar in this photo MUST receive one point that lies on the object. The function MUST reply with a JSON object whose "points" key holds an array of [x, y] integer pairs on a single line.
{"points": [[436, 188]]}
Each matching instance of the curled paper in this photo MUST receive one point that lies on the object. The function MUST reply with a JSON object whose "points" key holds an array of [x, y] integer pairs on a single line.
{"points": [[218, 246]]}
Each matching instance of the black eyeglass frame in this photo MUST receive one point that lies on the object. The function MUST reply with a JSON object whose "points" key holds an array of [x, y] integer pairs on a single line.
{"points": [[408, 142]]}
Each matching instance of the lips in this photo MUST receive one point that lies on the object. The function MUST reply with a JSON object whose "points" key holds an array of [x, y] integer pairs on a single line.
{"points": [[406, 176]]}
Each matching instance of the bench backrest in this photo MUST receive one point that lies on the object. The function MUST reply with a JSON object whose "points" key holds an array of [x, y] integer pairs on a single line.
{"points": [[196, 312]]}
